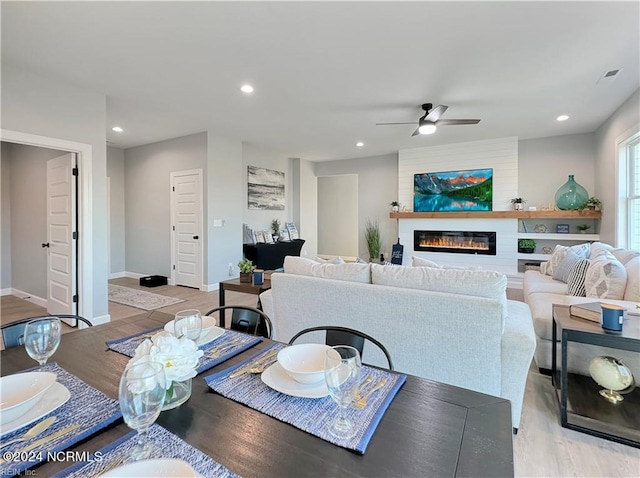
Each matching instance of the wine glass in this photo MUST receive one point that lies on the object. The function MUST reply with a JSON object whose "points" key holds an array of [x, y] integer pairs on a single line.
{"points": [[141, 397], [188, 323], [342, 367], [42, 338]]}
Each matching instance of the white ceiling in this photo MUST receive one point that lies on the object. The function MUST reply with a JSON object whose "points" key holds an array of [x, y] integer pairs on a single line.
{"points": [[326, 72]]}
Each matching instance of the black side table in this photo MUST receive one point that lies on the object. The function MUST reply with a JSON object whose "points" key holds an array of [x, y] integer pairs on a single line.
{"points": [[271, 256], [581, 406]]}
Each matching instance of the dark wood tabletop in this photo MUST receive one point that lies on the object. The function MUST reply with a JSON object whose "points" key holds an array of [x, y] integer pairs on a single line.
{"points": [[430, 429]]}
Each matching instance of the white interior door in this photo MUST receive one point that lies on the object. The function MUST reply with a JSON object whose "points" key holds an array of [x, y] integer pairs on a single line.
{"points": [[61, 257], [186, 214]]}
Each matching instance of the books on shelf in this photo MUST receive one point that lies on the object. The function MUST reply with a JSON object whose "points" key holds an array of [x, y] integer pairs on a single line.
{"points": [[591, 311]]}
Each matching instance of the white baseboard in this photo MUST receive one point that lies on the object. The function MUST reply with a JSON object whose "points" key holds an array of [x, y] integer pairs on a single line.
{"points": [[117, 275], [210, 287], [103, 319], [8, 291], [34, 299], [134, 275]]}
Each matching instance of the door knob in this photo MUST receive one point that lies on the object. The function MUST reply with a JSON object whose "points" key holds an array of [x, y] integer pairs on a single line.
{"points": [[195, 237], [45, 244]]}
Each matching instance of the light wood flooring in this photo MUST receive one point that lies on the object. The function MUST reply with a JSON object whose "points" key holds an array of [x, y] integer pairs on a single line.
{"points": [[542, 448]]}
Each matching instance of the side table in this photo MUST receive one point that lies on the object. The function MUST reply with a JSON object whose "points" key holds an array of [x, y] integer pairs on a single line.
{"points": [[236, 286], [581, 406]]}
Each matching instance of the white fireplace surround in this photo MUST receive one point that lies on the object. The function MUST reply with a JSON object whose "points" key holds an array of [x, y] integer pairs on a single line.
{"points": [[499, 154]]}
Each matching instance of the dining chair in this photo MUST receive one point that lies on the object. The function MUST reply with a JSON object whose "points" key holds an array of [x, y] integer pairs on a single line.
{"points": [[345, 336], [13, 332], [247, 319]]}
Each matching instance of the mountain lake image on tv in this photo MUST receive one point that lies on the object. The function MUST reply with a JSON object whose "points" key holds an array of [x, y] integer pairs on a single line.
{"points": [[470, 190]]}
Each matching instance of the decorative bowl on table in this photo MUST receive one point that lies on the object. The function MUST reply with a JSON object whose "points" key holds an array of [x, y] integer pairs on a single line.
{"points": [[20, 392], [304, 362], [207, 324]]}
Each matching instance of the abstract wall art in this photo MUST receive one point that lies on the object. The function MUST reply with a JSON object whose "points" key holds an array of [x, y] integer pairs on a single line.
{"points": [[265, 188]]}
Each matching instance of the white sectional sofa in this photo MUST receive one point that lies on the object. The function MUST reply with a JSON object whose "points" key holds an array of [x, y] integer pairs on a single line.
{"points": [[452, 326], [610, 275]]}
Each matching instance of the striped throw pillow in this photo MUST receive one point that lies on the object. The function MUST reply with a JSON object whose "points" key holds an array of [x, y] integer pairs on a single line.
{"points": [[577, 275]]}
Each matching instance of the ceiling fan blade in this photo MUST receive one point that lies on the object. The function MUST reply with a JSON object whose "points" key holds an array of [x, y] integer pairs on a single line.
{"points": [[457, 121], [436, 112], [383, 124], [416, 132]]}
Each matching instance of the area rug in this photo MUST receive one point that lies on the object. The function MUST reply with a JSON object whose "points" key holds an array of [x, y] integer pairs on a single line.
{"points": [[139, 298]]}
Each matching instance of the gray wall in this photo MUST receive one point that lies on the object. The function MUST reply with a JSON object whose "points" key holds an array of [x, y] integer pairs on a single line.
{"points": [[615, 129], [544, 165], [377, 187], [147, 199], [49, 107], [115, 172], [5, 217], [338, 215], [28, 226]]}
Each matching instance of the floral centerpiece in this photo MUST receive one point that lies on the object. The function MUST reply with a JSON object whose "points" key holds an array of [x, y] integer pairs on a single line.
{"points": [[178, 356]]}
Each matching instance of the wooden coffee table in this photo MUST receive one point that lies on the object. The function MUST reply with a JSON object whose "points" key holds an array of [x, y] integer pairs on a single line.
{"points": [[581, 406], [235, 285]]}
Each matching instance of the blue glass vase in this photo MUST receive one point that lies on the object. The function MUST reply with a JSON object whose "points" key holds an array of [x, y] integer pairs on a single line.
{"points": [[571, 195]]}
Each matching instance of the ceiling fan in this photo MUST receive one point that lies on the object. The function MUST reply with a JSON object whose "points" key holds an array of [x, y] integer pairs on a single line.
{"points": [[427, 123]]}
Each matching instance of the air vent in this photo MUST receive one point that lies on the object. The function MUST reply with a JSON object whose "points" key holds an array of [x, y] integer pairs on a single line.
{"points": [[609, 76]]}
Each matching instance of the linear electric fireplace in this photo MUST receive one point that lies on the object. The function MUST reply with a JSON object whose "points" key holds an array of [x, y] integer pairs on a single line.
{"points": [[457, 242]]}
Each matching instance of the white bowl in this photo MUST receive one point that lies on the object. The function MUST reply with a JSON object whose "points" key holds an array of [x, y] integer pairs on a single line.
{"points": [[207, 324], [21, 392], [304, 362], [155, 467]]}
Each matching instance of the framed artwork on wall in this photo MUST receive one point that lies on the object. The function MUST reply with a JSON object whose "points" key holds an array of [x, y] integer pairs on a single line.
{"points": [[265, 189], [467, 190]]}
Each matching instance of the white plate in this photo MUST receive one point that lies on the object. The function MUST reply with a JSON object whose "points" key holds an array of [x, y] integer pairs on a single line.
{"points": [[154, 467], [276, 378], [53, 398], [209, 330], [20, 392]]}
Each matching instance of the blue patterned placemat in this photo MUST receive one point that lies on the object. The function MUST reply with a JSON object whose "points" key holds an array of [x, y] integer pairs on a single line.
{"points": [[88, 407], [310, 414], [228, 345], [166, 445]]}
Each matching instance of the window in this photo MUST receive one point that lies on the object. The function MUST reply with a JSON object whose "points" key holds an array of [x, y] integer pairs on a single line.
{"points": [[633, 193]]}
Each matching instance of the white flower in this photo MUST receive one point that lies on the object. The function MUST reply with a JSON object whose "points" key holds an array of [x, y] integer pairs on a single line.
{"points": [[178, 356]]}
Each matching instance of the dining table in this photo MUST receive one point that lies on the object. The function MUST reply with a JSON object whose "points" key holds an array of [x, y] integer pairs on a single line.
{"points": [[428, 429]]}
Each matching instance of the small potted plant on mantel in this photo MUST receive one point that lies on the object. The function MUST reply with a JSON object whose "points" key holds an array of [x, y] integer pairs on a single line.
{"points": [[395, 206], [592, 204], [526, 246], [518, 203], [246, 268]]}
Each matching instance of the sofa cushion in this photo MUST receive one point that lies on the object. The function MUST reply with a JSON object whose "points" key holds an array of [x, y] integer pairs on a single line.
{"points": [[571, 258], [606, 276], [632, 291], [351, 272], [577, 276], [535, 281], [489, 284], [420, 262]]}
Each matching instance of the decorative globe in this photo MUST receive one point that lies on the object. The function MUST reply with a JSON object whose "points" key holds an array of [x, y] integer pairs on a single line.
{"points": [[613, 375], [571, 195]]}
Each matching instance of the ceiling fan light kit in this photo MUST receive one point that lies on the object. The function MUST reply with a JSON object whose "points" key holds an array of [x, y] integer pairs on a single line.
{"points": [[427, 123]]}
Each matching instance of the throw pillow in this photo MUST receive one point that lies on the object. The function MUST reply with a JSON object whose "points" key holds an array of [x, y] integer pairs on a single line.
{"points": [[420, 262], [577, 276], [561, 273], [335, 260], [360, 261], [543, 268], [606, 277], [556, 257], [632, 291]]}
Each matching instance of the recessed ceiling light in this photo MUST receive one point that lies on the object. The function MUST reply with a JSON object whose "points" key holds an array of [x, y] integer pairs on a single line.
{"points": [[117, 129], [562, 118], [359, 144], [246, 88]]}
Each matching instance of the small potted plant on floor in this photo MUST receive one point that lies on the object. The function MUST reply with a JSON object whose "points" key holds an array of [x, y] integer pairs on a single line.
{"points": [[246, 268], [526, 246], [583, 228], [373, 237], [518, 203]]}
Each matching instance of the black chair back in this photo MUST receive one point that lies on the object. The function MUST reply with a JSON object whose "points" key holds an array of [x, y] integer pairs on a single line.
{"points": [[345, 336], [13, 332], [247, 319]]}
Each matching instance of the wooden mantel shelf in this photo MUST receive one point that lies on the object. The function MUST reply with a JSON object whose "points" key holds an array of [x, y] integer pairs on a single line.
{"points": [[586, 214]]}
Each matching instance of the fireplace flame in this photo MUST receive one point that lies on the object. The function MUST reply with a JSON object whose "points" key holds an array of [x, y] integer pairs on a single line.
{"points": [[454, 243]]}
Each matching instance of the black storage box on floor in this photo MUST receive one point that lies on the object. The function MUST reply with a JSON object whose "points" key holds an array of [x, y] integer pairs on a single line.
{"points": [[153, 281]]}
